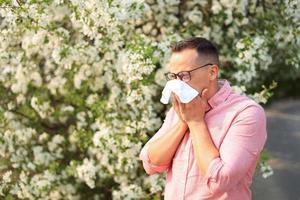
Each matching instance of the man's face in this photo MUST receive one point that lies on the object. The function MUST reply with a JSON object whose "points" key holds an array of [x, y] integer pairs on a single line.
{"points": [[187, 60]]}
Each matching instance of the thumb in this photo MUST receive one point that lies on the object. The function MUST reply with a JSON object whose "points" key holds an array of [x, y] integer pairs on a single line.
{"points": [[204, 94]]}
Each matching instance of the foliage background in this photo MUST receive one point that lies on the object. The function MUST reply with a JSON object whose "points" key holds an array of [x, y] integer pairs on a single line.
{"points": [[80, 83]]}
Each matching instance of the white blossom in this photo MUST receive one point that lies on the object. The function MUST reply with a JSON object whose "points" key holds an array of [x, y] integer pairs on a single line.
{"points": [[79, 80], [87, 172], [6, 177]]}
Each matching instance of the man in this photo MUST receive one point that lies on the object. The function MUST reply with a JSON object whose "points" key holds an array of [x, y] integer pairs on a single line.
{"points": [[209, 146]]}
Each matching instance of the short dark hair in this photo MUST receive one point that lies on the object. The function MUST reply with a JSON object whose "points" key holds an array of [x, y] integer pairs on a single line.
{"points": [[203, 46]]}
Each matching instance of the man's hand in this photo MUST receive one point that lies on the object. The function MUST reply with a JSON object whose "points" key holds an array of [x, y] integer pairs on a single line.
{"points": [[175, 104], [193, 111]]}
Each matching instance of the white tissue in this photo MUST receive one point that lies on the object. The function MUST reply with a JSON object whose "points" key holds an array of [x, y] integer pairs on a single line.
{"points": [[185, 92]]}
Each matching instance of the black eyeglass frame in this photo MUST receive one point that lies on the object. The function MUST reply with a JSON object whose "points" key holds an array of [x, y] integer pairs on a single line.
{"points": [[189, 72]]}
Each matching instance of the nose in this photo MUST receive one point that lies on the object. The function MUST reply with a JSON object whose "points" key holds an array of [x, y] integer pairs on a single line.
{"points": [[177, 77]]}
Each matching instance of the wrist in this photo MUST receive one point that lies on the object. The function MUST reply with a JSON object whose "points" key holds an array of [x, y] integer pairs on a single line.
{"points": [[182, 125], [193, 123]]}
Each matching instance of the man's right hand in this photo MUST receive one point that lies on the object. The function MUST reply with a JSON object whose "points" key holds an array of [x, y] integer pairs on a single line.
{"points": [[162, 150]]}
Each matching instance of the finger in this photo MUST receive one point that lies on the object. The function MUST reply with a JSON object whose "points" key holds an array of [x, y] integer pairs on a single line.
{"points": [[176, 105], [204, 94], [204, 97], [174, 101], [180, 105], [173, 98], [177, 98], [178, 101]]}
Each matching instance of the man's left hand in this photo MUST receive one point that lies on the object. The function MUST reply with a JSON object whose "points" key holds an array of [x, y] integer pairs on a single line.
{"points": [[194, 111]]}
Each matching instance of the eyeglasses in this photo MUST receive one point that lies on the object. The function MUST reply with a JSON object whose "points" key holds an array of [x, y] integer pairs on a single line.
{"points": [[184, 75]]}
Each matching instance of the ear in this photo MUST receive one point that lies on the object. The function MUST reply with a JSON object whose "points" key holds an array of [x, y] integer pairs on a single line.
{"points": [[213, 72]]}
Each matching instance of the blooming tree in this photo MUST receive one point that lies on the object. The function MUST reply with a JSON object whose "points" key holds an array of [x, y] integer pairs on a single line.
{"points": [[80, 83]]}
